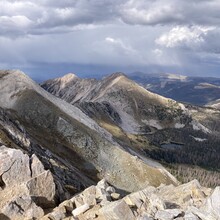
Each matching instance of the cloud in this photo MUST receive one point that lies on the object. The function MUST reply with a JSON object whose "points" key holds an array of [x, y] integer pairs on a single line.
{"points": [[196, 39], [183, 36], [119, 44], [48, 16], [167, 12], [138, 33]]}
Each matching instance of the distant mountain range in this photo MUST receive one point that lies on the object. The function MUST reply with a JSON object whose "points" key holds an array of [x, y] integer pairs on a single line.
{"points": [[194, 90]]}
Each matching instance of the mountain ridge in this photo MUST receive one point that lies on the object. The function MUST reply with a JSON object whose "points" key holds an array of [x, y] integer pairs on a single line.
{"points": [[70, 132], [148, 123]]}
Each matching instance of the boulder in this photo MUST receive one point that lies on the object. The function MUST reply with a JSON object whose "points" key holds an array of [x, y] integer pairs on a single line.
{"points": [[36, 166], [201, 214], [190, 216], [80, 210], [183, 196], [212, 203], [169, 214], [102, 184], [115, 196], [20, 208], [14, 167], [145, 200], [110, 189], [117, 210], [42, 189], [26, 187]]}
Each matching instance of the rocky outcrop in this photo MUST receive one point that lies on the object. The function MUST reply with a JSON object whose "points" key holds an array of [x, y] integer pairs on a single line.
{"points": [[26, 187], [185, 202]]}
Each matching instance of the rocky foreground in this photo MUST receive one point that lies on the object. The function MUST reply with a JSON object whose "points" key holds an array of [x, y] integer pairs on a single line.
{"points": [[28, 191]]}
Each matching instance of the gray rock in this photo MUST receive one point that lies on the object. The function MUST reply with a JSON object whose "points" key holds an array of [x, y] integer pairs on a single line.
{"points": [[80, 210], [190, 216], [14, 167], [183, 195], [102, 184], [116, 211], [212, 204], [22, 207], [168, 214], [110, 189], [42, 189], [115, 196], [36, 166], [203, 215], [145, 200]]}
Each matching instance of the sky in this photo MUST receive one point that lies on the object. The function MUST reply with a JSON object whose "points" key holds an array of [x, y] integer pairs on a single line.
{"points": [[47, 38]]}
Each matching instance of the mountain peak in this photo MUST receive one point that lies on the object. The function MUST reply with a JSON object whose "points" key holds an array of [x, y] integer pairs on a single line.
{"points": [[116, 75], [68, 77], [16, 72]]}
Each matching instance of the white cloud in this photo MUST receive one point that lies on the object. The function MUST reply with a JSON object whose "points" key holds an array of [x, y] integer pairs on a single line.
{"points": [[120, 45], [148, 12], [183, 36], [157, 52]]}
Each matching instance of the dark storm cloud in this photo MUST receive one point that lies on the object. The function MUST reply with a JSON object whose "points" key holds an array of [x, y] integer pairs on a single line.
{"points": [[161, 34], [28, 16], [36, 17]]}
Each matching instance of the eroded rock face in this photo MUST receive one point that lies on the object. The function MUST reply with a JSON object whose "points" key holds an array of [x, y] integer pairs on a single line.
{"points": [[26, 187]]}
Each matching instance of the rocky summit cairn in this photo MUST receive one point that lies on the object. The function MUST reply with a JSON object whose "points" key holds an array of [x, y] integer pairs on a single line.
{"points": [[188, 201], [26, 188]]}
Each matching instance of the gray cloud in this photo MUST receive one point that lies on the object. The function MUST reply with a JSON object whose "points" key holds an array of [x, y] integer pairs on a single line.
{"points": [[156, 35], [165, 12], [39, 17]]}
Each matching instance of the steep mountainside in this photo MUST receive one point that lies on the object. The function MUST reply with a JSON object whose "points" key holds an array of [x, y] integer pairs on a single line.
{"points": [[72, 144], [194, 90], [147, 123]]}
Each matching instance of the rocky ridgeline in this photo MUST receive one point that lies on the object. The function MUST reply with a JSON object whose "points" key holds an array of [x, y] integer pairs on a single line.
{"points": [[28, 191], [102, 202]]}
